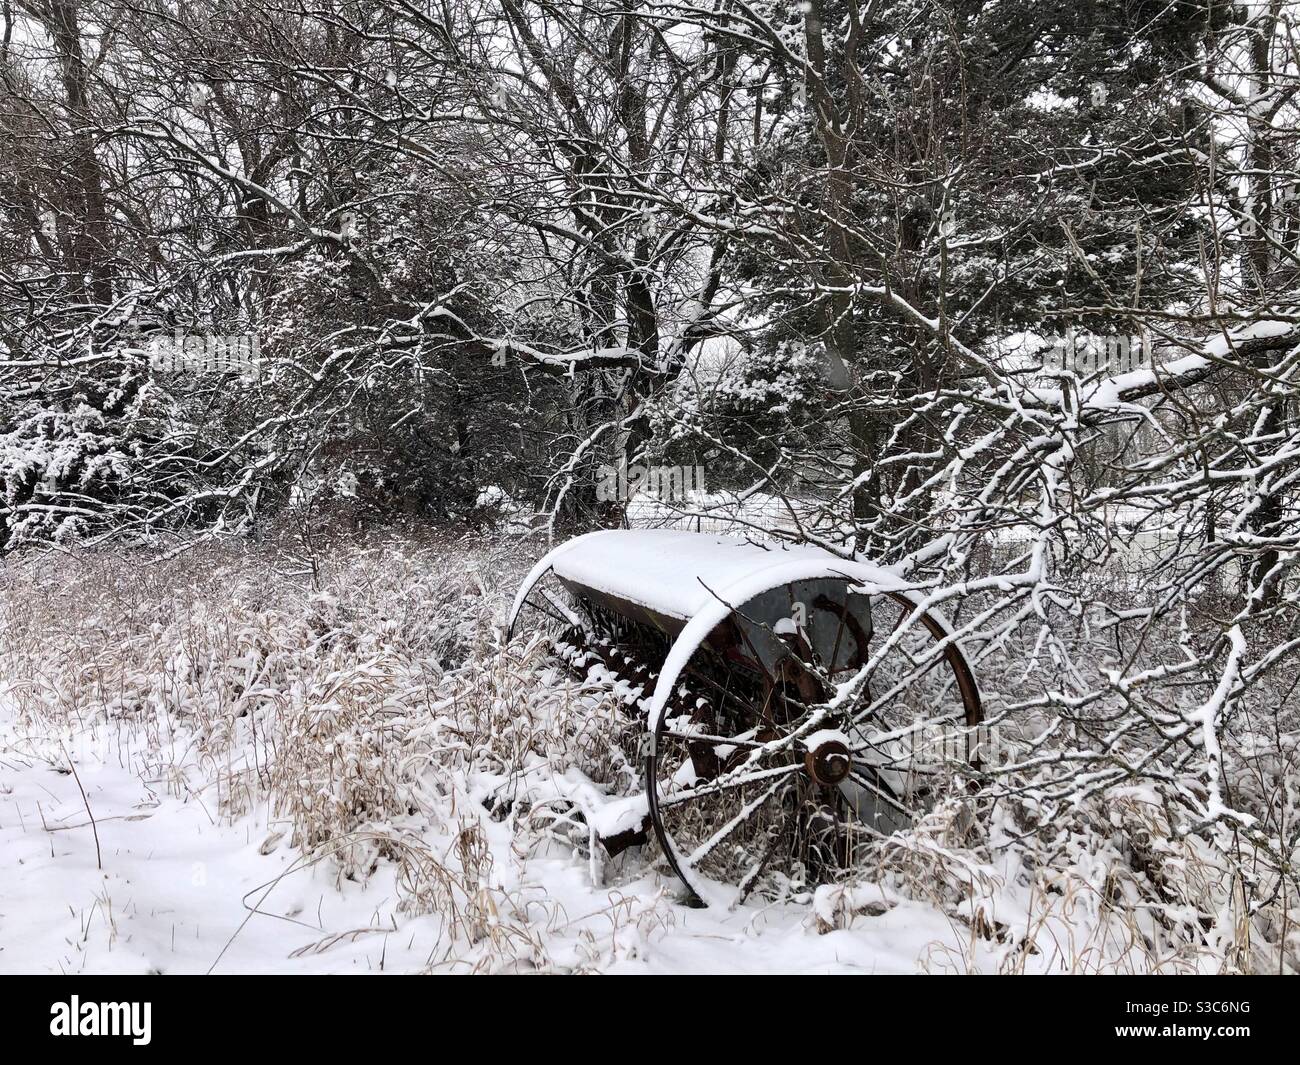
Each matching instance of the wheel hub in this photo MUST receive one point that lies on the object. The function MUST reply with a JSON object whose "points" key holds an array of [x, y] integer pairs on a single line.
{"points": [[828, 760]]}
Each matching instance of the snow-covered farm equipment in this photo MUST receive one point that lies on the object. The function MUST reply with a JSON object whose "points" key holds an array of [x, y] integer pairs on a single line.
{"points": [[795, 703]]}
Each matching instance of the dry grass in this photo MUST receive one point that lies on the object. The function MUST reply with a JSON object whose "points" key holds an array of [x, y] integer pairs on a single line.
{"points": [[366, 710]]}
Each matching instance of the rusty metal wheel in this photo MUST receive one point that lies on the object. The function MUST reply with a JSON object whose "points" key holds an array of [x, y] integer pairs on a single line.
{"points": [[775, 784]]}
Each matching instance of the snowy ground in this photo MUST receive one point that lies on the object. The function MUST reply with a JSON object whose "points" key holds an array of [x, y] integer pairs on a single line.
{"points": [[182, 892]]}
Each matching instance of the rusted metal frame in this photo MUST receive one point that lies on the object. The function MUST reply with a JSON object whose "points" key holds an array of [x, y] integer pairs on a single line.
{"points": [[776, 687]]}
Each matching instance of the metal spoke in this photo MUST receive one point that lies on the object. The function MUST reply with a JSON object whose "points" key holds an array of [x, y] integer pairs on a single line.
{"points": [[876, 790], [751, 878], [704, 737], [724, 784], [746, 811]]}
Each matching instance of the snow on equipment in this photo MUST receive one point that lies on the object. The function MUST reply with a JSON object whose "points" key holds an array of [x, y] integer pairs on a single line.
{"points": [[796, 703]]}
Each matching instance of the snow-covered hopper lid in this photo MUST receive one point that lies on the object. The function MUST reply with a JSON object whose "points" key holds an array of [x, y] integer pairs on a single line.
{"points": [[700, 579], [683, 574], [678, 573]]}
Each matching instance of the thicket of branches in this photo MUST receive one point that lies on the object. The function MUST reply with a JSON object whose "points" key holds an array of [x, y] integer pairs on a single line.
{"points": [[487, 247]]}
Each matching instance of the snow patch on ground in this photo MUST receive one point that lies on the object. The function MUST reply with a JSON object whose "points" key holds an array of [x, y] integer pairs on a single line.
{"points": [[181, 891]]}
